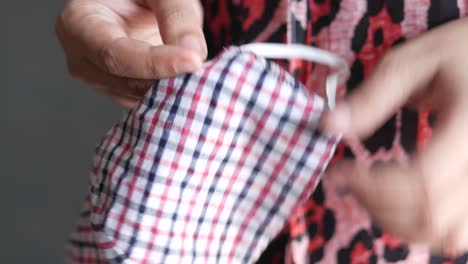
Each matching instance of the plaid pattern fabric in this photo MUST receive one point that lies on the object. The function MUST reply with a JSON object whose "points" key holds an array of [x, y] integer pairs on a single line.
{"points": [[207, 169]]}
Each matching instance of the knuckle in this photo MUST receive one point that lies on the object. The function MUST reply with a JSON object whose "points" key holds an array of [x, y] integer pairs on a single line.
{"points": [[426, 222], [60, 23], [68, 13], [109, 60], [417, 228], [73, 7], [67, 20], [392, 60], [392, 64], [138, 87], [435, 225], [152, 68], [174, 15]]}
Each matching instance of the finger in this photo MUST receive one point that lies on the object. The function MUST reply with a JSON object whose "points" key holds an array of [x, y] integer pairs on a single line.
{"points": [[444, 157], [455, 241], [443, 164], [108, 83], [395, 198], [124, 101], [449, 214], [107, 45], [132, 58], [460, 243], [180, 23], [401, 74]]}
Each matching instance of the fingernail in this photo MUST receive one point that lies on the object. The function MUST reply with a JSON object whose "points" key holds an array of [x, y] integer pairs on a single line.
{"points": [[194, 43], [337, 121]]}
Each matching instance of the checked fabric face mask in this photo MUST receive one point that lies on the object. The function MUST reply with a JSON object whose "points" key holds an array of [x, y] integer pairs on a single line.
{"points": [[210, 165]]}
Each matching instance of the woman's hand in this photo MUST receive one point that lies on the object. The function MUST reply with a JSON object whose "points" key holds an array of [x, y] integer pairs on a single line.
{"points": [[120, 46], [425, 200]]}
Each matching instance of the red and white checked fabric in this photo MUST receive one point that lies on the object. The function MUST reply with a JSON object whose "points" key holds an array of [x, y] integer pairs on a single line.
{"points": [[207, 169]]}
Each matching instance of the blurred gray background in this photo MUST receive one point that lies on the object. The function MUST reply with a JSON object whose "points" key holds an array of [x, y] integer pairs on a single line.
{"points": [[49, 125]]}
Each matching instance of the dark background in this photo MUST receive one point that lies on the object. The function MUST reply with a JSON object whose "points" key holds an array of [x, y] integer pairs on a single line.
{"points": [[49, 125]]}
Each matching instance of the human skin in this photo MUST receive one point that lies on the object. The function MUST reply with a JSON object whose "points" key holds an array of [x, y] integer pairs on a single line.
{"points": [[121, 46]]}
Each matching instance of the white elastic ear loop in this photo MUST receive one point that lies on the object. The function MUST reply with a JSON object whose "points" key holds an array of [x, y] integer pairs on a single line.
{"points": [[299, 51]]}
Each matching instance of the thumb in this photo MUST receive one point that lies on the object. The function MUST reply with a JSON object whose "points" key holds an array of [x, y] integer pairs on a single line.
{"points": [[401, 74], [180, 23]]}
